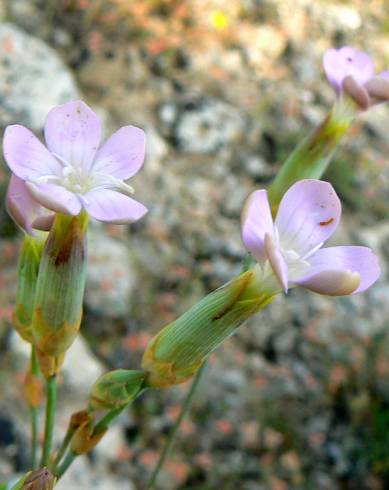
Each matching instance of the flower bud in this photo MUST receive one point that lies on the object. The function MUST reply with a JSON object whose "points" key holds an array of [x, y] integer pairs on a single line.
{"points": [[84, 438], [28, 268], [116, 389], [60, 290], [178, 350], [36, 480]]}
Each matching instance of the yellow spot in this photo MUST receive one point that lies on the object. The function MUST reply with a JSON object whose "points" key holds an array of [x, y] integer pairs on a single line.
{"points": [[219, 20]]}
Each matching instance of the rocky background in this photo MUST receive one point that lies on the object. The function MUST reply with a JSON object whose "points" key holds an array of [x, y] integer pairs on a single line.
{"points": [[299, 398]]}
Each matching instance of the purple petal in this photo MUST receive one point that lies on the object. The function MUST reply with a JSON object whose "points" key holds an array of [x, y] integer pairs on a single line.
{"points": [[328, 265], [277, 262], [23, 208], [112, 206], [122, 155], [256, 222], [384, 74], [347, 61], [55, 197], [308, 215], [73, 131], [26, 156]]}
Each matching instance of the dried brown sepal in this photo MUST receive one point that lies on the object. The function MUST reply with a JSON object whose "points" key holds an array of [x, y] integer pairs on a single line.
{"points": [[84, 439], [41, 479], [49, 365], [33, 390]]}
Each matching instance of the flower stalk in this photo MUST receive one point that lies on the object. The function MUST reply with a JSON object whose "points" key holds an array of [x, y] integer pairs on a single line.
{"points": [[51, 405]]}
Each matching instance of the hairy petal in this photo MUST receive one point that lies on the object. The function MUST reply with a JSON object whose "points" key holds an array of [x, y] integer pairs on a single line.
{"points": [[112, 206], [256, 222], [308, 215], [23, 208], [328, 265], [55, 197], [26, 156], [73, 131], [122, 155]]}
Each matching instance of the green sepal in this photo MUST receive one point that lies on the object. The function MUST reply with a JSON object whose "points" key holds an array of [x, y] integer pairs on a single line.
{"points": [[60, 286], [312, 156], [179, 349], [28, 267], [116, 389]]}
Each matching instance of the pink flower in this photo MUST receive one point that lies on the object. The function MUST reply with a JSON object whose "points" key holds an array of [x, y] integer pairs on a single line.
{"points": [[291, 248], [73, 171], [352, 71]]}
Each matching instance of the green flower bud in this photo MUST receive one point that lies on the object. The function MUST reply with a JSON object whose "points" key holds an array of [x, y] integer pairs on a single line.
{"points": [[36, 480], [311, 157], [178, 350], [60, 288], [28, 268], [116, 389]]}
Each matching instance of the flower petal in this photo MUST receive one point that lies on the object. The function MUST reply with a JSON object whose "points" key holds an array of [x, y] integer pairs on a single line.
{"points": [[112, 206], [122, 155], [24, 210], [256, 222], [26, 156], [308, 215], [347, 61], [55, 197], [73, 132], [330, 267], [277, 262]]}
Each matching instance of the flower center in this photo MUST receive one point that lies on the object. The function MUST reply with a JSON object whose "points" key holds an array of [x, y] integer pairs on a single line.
{"points": [[79, 181]]}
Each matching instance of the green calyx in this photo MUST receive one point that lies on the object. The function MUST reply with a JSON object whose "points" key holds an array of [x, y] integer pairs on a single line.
{"points": [[178, 350], [312, 156], [60, 286], [116, 389], [28, 268]]}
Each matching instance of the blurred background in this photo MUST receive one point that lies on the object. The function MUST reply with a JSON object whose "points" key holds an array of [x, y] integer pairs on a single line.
{"points": [[299, 398]]}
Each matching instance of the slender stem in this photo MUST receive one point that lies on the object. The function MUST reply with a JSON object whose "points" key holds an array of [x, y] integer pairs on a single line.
{"points": [[69, 458], [51, 393], [175, 429], [34, 437], [65, 443], [103, 424], [35, 371]]}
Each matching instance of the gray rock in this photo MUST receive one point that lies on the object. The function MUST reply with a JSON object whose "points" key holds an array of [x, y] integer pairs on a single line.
{"points": [[111, 276], [33, 79], [202, 126]]}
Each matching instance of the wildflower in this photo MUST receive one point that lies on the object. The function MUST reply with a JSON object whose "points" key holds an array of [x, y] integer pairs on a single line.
{"points": [[290, 249], [73, 172], [24, 210], [352, 71]]}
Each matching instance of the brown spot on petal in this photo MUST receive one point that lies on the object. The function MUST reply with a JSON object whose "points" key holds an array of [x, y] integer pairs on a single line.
{"points": [[328, 222]]}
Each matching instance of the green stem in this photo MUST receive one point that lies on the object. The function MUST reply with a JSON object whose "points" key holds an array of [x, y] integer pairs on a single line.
{"points": [[34, 437], [69, 458], [51, 393], [62, 450], [104, 423], [35, 371], [176, 427]]}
